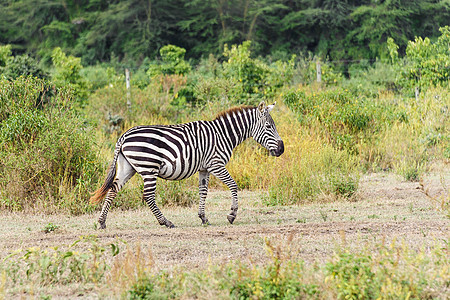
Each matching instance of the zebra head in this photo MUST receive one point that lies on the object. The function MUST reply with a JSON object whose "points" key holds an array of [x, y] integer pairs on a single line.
{"points": [[265, 132]]}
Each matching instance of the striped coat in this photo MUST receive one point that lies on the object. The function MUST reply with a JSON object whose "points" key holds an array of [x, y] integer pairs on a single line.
{"points": [[176, 152]]}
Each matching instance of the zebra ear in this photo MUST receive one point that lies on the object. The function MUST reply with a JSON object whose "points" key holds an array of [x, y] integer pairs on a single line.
{"points": [[270, 107], [261, 106]]}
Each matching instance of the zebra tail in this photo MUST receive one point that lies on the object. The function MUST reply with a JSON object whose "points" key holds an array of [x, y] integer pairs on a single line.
{"points": [[99, 194]]}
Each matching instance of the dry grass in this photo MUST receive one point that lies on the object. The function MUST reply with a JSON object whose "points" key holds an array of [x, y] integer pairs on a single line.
{"points": [[387, 209]]}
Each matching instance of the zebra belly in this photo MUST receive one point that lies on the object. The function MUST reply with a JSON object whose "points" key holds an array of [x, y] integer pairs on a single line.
{"points": [[174, 170]]}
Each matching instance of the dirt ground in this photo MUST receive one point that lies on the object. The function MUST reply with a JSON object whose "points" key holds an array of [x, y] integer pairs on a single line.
{"points": [[386, 209]]}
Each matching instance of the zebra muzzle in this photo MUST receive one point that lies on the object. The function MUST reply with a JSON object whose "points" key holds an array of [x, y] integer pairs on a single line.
{"points": [[279, 150]]}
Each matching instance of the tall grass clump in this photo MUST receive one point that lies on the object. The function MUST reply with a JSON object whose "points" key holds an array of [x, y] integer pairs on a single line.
{"points": [[407, 148], [383, 132], [388, 272], [48, 161], [307, 169]]}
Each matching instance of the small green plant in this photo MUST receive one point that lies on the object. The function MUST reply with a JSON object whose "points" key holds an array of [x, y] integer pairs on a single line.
{"points": [[353, 276], [50, 227], [143, 289], [276, 281], [386, 272], [323, 215]]}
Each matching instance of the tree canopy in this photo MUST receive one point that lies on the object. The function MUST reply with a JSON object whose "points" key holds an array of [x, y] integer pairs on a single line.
{"points": [[129, 31]]}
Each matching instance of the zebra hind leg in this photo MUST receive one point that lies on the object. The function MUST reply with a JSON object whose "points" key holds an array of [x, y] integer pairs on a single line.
{"points": [[203, 191], [123, 173], [149, 198]]}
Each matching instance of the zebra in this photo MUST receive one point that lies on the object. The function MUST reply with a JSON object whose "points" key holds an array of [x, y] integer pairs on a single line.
{"points": [[176, 152]]}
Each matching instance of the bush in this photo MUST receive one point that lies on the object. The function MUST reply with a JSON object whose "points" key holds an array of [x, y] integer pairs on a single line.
{"points": [[49, 161], [22, 65], [425, 64], [317, 171], [347, 119], [279, 279], [172, 62], [143, 289], [240, 79], [68, 74]]}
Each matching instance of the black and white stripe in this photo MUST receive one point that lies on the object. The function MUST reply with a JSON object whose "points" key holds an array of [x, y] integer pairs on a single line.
{"points": [[176, 152]]}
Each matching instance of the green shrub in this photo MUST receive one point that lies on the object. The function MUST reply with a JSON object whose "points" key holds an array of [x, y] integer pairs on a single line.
{"points": [[5, 54], [369, 80], [22, 65], [67, 73], [50, 227], [48, 158], [387, 272], [347, 119], [143, 289], [319, 172], [353, 276], [279, 279], [425, 64], [172, 62]]}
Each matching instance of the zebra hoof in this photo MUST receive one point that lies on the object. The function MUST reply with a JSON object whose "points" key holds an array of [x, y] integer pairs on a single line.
{"points": [[205, 221], [169, 224], [102, 225], [231, 218]]}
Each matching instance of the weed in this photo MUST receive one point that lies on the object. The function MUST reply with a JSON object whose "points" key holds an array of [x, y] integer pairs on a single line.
{"points": [[51, 266], [390, 271], [143, 289], [275, 281], [50, 227], [323, 215]]}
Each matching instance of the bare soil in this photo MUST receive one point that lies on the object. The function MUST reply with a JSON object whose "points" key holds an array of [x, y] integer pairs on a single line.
{"points": [[386, 209]]}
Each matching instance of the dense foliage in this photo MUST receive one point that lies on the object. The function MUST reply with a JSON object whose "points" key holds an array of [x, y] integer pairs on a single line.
{"points": [[99, 31], [47, 158]]}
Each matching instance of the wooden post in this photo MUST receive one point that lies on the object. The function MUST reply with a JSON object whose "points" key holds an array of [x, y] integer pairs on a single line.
{"points": [[319, 71], [127, 78]]}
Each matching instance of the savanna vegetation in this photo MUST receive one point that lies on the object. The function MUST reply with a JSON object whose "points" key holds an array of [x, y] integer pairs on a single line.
{"points": [[382, 105]]}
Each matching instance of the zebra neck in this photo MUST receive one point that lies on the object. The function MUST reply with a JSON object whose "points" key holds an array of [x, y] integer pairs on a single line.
{"points": [[235, 127]]}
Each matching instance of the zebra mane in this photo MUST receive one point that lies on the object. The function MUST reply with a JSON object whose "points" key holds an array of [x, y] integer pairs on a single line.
{"points": [[233, 110]]}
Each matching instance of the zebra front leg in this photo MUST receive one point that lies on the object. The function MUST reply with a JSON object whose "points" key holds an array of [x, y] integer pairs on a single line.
{"points": [[203, 177], [226, 178], [149, 198]]}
